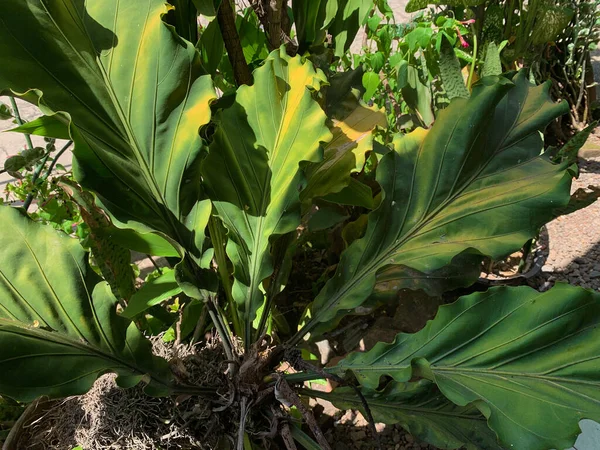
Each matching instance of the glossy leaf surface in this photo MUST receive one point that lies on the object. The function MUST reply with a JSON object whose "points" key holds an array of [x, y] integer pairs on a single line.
{"points": [[59, 329], [252, 171], [528, 361], [131, 91], [475, 184]]}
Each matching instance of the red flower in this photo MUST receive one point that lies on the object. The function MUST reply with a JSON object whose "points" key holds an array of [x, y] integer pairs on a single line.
{"points": [[463, 43]]}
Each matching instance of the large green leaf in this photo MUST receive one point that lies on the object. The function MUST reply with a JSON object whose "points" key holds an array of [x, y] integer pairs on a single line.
{"points": [[528, 360], [309, 18], [131, 90], [59, 329], [422, 411], [345, 153], [183, 16], [351, 15], [252, 170], [474, 184]]}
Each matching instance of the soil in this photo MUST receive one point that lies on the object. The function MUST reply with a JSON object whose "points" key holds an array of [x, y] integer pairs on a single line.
{"points": [[111, 418]]}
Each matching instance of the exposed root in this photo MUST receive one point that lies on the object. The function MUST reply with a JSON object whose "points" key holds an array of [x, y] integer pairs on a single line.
{"points": [[111, 418]]}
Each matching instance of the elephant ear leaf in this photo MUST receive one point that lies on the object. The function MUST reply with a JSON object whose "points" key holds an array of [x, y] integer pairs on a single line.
{"points": [[252, 171], [345, 153], [59, 329], [132, 93], [474, 184], [527, 360]]}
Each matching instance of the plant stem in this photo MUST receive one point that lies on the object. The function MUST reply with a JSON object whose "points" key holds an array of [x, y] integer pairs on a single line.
{"points": [[242, 427], [15, 108], [218, 241], [274, 14], [302, 377], [38, 170], [226, 19], [472, 71], [156, 266], [56, 158], [35, 177], [225, 338], [200, 325], [200, 391]]}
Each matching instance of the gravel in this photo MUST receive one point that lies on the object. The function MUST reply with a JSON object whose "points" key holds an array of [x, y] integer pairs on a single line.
{"points": [[574, 240]]}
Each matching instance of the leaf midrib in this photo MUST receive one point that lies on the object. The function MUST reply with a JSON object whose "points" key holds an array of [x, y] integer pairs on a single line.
{"points": [[25, 331], [374, 265]]}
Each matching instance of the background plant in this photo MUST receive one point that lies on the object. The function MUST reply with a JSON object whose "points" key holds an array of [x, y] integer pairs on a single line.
{"points": [[553, 38]]}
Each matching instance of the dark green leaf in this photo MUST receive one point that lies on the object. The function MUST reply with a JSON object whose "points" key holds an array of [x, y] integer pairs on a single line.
{"points": [[445, 194], [402, 73], [422, 411], [527, 360], [355, 194], [52, 125], [450, 72], [184, 17], [59, 329], [211, 47], [492, 64]]}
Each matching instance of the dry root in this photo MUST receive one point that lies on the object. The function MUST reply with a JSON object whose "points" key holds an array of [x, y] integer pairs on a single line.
{"points": [[108, 417]]}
